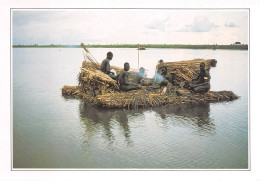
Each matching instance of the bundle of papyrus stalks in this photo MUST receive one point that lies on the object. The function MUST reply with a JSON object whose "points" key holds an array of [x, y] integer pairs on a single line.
{"points": [[131, 99], [101, 90], [211, 96], [95, 81], [76, 92], [70, 90], [147, 98], [184, 71]]}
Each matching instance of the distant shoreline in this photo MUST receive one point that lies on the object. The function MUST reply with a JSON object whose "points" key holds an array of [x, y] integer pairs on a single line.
{"points": [[147, 46]]}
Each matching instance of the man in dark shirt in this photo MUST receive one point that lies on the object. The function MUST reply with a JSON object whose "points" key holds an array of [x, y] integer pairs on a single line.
{"points": [[105, 66], [123, 78], [202, 82]]}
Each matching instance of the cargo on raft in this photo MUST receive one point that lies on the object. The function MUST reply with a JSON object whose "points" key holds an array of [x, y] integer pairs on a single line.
{"points": [[99, 89]]}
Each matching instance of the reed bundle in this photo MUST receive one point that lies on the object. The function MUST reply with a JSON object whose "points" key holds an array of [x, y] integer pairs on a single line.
{"points": [[145, 98], [211, 96], [76, 92], [101, 90], [96, 81], [184, 71], [193, 64], [132, 99], [70, 90]]}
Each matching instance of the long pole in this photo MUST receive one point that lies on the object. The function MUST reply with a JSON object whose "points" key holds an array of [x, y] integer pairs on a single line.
{"points": [[89, 55], [138, 57]]}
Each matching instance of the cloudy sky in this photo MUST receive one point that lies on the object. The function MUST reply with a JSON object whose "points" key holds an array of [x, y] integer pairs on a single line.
{"points": [[144, 26]]}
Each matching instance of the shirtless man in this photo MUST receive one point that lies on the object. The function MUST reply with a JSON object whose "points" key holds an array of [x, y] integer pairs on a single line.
{"points": [[105, 66], [202, 82], [125, 84]]}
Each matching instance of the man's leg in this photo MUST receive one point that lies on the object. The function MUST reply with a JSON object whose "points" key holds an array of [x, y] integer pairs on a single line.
{"points": [[170, 88], [132, 87], [201, 89], [164, 82], [113, 76]]}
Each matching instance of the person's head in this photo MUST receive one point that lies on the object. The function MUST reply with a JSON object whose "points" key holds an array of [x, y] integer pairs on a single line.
{"points": [[202, 66], [109, 55], [126, 66], [161, 61], [141, 70]]}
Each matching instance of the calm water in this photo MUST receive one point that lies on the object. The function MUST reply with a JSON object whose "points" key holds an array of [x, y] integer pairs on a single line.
{"points": [[51, 131]]}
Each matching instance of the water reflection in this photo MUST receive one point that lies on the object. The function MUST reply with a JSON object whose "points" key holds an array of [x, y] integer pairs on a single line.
{"points": [[192, 115], [108, 121], [116, 124], [94, 119]]}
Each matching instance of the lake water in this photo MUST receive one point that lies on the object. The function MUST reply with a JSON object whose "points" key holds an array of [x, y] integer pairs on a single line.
{"points": [[51, 131]]}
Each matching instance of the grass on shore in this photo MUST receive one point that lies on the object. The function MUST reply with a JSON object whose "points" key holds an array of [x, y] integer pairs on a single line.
{"points": [[214, 46]]}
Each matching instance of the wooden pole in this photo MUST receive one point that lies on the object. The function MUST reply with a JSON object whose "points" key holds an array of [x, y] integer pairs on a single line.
{"points": [[138, 56], [86, 49], [90, 56]]}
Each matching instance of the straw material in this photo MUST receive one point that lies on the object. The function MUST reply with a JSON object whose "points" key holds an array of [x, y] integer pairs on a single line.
{"points": [[101, 90], [70, 90], [184, 71], [144, 98], [193, 64], [132, 99], [96, 81]]}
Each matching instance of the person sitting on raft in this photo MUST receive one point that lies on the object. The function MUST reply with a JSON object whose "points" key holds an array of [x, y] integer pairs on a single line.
{"points": [[202, 82], [158, 67], [167, 77], [158, 70], [139, 78], [105, 66], [167, 81], [123, 78]]}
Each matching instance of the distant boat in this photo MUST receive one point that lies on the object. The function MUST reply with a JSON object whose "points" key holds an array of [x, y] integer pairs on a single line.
{"points": [[141, 48]]}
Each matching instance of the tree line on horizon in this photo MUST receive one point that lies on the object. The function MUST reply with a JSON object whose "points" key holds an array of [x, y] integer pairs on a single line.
{"points": [[236, 45]]}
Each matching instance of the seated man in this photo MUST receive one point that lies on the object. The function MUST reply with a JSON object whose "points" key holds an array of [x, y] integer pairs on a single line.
{"points": [[123, 78], [105, 66], [139, 78], [166, 81], [158, 67], [158, 70], [167, 77], [202, 82]]}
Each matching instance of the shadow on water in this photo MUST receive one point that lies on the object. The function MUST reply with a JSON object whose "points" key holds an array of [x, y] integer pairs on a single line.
{"points": [[108, 123]]}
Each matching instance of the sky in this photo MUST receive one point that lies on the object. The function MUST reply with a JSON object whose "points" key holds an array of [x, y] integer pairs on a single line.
{"points": [[129, 26]]}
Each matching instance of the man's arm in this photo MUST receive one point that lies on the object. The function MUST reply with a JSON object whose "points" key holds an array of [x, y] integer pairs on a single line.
{"points": [[202, 84], [196, 78], [207, 78]]}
